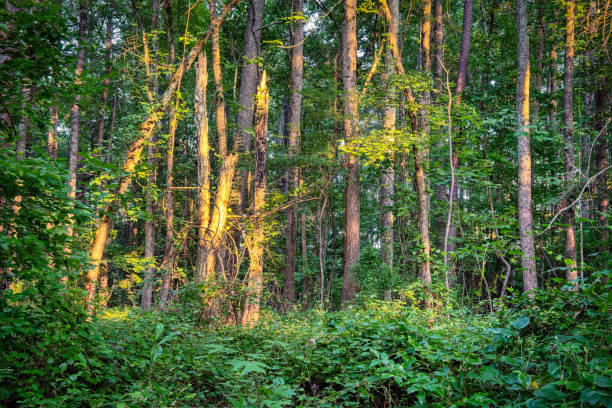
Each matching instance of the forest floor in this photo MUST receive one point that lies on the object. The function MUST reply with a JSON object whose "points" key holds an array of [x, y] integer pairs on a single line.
{"points": [[553, 351]]}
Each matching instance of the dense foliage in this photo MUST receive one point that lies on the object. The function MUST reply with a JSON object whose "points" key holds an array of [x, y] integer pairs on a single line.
{"points": [[171, 236]]}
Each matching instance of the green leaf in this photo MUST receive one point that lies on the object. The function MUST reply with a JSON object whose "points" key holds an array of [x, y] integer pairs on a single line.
{"points": [[159, 329], [520, 323]]}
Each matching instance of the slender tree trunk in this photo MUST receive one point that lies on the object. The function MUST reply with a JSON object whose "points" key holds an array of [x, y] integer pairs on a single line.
{"points": [[248, 85], [106, 74], [351, 120], [568, 139], [149, 253], [387, 178], [52, 132], [255, 279], [438, 46], [134, 154], [421, 150], [293, 125], [73, 156], [464, 52], [221, 121], [168, 262], [525, 214], [203, 170], [601, 104]]}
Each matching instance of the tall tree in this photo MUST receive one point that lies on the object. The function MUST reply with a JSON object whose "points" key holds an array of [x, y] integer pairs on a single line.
{"points": [[525, 212], [168, 262], [255, 273], [203, 162], [149, 251], [248, 86], [106, 75], [293, 125], [421, 148], [351, 119], [464, 51], [73, 155], [387, 178], [568, 139]]}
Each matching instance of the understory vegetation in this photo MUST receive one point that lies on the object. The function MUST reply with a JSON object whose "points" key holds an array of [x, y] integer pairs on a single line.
{"points": [[552, 351]]}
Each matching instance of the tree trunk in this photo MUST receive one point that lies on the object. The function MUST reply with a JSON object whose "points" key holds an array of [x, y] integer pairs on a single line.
{"points": [[568, 139], [601, 163], [73, 156], [52, 132], [525, 214], [421, 149], [248, 85], [203, 161], [293, 125], [106, 74], [351, 120], [255, 278], [168, 262], [438, 46], [387, 178], [149, 252], [134, 154], [221, 121], [466, 33]]}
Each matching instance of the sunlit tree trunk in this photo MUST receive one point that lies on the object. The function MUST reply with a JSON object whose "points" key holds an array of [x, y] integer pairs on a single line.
{"points": [[293, 125], [255, 273], [387, 178], [203, 161], [221, 121], [52, 132], [568, 139], [351, 119], [525, 214]]}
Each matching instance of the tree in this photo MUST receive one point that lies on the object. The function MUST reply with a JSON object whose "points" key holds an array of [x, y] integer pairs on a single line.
{"points": [[525, 212], [255, 273], [351, 120], [295, 109], [568, 139]]}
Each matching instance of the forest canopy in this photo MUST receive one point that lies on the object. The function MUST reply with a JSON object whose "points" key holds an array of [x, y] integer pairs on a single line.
{"points": [[355, 203]]}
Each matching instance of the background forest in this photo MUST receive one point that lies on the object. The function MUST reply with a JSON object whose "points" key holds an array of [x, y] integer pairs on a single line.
{"points": [[305, 203]]}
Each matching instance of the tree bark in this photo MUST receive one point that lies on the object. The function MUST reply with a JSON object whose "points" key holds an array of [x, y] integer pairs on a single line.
{"points": [[248, 85], [203, 161], [351, 120], [106, 75], [387, 178], [52, 132], [421, 150], [438, 46], [293, 125], [525, 214], [168, 262], [149, 252], [255, 279], [464, 52], [134, 154], [568, 139], [73, 156]]}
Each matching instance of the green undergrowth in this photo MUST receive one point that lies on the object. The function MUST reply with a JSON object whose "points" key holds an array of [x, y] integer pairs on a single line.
{"points": [[550, 351]]}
